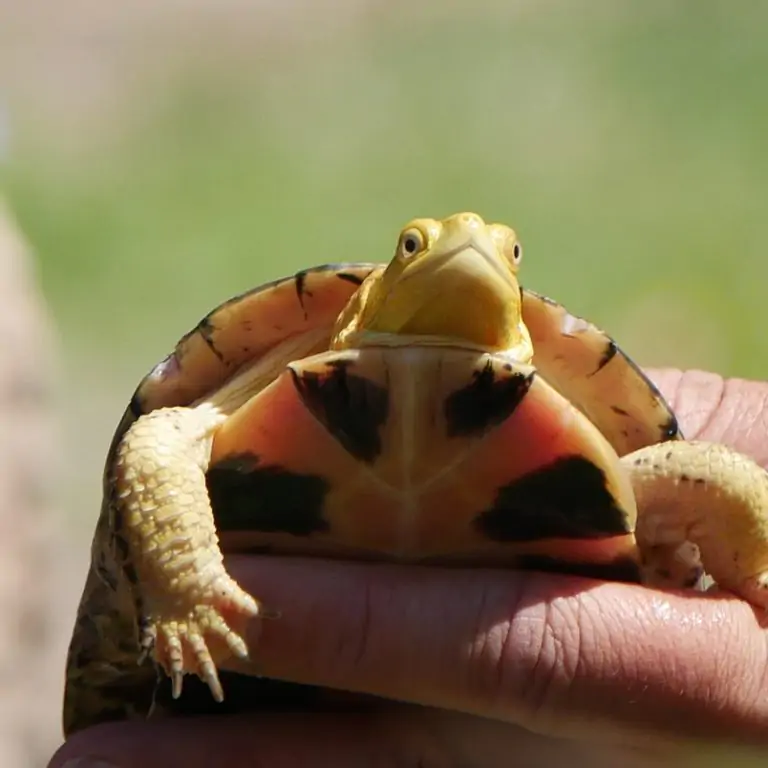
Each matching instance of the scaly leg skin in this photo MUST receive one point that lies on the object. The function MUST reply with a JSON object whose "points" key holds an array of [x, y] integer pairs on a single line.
{"points": [[194, 614], [713, 497]]}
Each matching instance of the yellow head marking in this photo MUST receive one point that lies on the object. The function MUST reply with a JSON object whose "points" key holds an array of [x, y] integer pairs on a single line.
{"points": [[450, 282]]}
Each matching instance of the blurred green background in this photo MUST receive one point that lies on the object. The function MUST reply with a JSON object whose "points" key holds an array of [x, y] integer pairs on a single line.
{"points": [[161, 157]]}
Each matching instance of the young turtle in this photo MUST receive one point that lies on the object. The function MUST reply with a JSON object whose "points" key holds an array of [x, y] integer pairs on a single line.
{"points": [[427, 411]]}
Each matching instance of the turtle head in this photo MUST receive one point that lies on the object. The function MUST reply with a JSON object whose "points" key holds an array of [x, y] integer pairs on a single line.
{"points": [[450, 282]]}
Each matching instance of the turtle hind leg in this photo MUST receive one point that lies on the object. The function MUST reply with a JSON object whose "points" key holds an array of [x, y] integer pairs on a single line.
{"points": [[713, 497], [194, 613]]}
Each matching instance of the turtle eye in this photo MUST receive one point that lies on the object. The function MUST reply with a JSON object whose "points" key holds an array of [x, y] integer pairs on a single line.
{"points": [[411, 242], [507, 243]]}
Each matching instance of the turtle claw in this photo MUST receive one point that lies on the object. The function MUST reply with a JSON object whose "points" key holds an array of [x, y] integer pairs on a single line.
{"points": [[199, 639], [755, 590]]}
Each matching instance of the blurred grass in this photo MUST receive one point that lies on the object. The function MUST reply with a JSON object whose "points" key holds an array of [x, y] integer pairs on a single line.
{"points": [[624, 141]]}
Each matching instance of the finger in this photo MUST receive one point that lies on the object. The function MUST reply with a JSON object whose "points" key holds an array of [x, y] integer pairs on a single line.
{"points": [[285, 740], [402, 736], [708, 407], [245, 741], [557, 655]]}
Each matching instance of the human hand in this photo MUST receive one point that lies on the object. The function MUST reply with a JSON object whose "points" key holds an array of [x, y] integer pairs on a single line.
{"points": [[508, 667]]}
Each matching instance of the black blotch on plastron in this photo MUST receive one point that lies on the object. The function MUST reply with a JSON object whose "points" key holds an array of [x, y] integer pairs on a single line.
{"points": [[619, 411], [352, 408], [566, 499], [622, 569], [488, 400], [248, 497]]}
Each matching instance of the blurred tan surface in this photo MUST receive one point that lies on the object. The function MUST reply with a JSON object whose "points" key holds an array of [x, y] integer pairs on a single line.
{"points": [[30, 621], [163, 155]]}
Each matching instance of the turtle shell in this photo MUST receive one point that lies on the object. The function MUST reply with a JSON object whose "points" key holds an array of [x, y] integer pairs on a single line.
{"points": [[346, 414], [578, 359]]}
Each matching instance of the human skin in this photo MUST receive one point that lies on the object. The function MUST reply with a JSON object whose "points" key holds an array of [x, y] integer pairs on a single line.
{"points": [[494, 668], [29, 653]]}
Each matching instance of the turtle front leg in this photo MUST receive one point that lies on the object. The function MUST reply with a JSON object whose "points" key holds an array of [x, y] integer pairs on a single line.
{"points": [[713, 497], [193, 613]]}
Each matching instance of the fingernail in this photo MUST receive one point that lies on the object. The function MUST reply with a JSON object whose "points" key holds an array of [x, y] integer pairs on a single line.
{"points": [[88, 762]]}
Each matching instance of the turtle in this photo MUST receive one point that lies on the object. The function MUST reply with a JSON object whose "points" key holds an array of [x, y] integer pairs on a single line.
{"points": [[428, 410]]}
